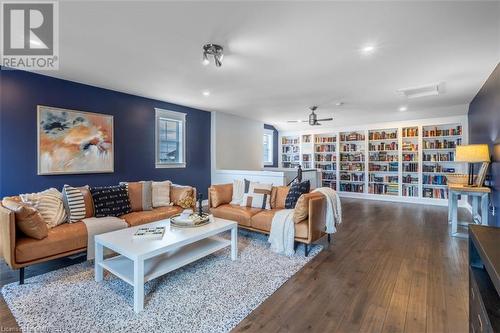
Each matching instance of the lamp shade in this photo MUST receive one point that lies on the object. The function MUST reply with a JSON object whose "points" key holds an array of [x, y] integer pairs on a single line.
{"points": [[473, 153]]}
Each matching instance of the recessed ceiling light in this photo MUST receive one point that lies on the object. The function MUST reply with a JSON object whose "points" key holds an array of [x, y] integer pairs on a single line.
{"points": [[206, 93], [403, 108], [368, 49]]}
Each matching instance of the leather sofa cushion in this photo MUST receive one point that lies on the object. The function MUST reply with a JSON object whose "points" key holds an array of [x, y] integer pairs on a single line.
{"points": [[147, 216], [221, 194], [240, 214], [263, 220], [278, 196], [28, 219], [62, 238]]}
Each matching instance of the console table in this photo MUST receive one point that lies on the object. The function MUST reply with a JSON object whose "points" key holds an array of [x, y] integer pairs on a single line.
{"points": [[477, 194], [484, 279]]}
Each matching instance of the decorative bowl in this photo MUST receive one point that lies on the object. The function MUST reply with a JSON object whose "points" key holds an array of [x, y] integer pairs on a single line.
{"points": [[194, 220]]}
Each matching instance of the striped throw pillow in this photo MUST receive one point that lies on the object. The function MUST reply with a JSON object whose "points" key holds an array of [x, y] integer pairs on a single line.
{"points": [[50, 205], [74, 203]]}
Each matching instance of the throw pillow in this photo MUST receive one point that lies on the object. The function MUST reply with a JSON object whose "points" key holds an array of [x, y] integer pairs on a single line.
{"points": [[50, 205], [74, 203], [301, 211], [179, 192], [161, 193], [140, 195], [296, 190], [258, 196], [110, 200], [28, 219], [221, 194], [240, 187], [278, 196]]}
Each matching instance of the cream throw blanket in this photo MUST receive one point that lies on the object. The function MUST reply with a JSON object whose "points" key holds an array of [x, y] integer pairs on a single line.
{"points": [[282, 234], [100, 225], [333, 208]]}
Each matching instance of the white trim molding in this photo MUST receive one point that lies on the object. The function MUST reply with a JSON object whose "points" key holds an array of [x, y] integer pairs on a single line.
{"points": [[181, 118]]}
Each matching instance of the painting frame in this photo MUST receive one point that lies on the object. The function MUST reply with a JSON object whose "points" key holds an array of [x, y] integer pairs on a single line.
{"points": [[42, 172]]}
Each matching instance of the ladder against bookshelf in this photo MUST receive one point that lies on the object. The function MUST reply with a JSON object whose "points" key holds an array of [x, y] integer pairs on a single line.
{"points": [[409, 161], [290, 151], [438, 158], [352, 162], [325, 159], [383, 162]]}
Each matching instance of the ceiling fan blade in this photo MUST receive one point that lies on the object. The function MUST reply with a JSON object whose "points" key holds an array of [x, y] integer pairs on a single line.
{"points": [[297, 121], [317, 124], [325, 119]]}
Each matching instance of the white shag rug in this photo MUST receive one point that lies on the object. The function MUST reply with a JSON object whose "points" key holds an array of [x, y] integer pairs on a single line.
{"points": [[210, 295]]}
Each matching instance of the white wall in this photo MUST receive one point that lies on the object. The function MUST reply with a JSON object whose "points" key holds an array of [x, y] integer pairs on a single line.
{"points": [[236, 143]]}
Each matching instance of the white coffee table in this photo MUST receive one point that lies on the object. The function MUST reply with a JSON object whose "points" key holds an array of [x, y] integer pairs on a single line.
{"points": [[140, 261]]}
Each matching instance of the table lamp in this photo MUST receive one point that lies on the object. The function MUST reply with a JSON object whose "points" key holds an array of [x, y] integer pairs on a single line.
{"points": [[471, 154]]}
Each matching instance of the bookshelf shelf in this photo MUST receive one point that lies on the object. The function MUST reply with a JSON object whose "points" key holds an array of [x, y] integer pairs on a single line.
{"points": [[325, 158], [290, 151], [416, 156], [352, 162]]}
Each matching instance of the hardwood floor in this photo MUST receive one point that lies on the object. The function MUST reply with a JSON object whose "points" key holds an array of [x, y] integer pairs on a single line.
{"points": [[391, 268]]}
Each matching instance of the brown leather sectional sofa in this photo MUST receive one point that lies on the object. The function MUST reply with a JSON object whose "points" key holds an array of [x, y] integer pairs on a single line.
{"points": [[20, 251], [307, 231]]}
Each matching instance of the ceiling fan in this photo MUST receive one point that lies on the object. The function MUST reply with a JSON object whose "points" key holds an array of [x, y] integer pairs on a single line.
{"points": [[313, 118]]}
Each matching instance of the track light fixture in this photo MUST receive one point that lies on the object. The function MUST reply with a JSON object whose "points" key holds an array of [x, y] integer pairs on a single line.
{"points": [[213, 50]]}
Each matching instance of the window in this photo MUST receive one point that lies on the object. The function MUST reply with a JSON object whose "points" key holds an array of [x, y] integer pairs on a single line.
{"points": [[170, 139], [268, 147]]}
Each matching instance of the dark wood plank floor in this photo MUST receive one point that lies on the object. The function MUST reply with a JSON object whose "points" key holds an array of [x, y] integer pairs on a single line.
{"points": [[391, 268]]}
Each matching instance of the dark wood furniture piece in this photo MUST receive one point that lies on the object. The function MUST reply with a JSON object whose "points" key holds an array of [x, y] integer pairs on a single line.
{"points": [[484, 279]]}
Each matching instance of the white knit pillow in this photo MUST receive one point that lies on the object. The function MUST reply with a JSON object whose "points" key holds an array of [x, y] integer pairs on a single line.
{"points": [[258, 196], [50, 205], [161, 193]]}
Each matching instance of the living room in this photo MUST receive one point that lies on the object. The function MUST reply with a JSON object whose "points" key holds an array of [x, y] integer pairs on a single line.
{"points": [[213, 166]]}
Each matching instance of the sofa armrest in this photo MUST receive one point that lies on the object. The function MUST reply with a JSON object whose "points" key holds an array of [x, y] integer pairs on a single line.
{"points": [[8, 236], [317, 218]]}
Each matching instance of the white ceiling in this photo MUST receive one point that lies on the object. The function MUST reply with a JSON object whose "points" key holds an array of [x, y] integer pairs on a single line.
{"points": [[281, 57]]}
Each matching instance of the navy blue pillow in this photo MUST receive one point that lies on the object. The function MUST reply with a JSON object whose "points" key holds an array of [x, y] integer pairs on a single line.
{"points": [[110, 200], [296, 190]]}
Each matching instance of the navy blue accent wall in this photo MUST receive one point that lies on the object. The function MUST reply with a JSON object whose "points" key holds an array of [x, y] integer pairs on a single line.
{"points": [[484, 127], [134, 134], [275, 144]]}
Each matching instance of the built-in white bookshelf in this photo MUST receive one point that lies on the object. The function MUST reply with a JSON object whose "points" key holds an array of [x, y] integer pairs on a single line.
{"points": [[352, 168], [410, 161], [290, 151], [306, 151], [399, 161], [325, 158], [383, 162], [438, 158]]}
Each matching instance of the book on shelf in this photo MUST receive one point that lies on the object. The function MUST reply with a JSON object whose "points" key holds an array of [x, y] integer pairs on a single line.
{"points": [[354, 136], [325, 139], [410, 132], [382, 135], [433, 132], [435, 193]]}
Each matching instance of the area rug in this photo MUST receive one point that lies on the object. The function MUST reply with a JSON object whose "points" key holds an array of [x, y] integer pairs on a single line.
{"points": [[211, 295]]}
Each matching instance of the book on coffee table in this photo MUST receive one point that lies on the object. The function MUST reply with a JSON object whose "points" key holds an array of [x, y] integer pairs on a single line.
{"points": [[154, 233]]}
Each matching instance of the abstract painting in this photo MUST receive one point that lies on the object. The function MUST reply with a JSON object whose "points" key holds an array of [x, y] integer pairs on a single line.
{"points": [[71, 142]]}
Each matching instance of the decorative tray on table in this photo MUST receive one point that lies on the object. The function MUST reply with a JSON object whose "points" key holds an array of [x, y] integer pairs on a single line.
{"points": [[194, 220]]}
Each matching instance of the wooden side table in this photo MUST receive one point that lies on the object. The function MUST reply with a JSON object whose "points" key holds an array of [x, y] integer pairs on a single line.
{"points": [[477, 194]]}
